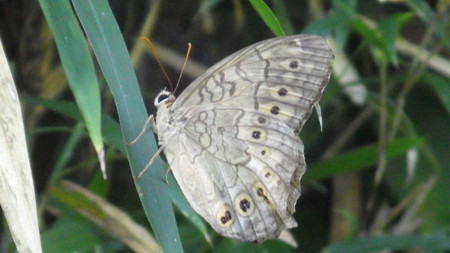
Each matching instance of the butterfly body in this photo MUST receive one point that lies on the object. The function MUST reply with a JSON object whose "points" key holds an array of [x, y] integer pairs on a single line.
{"points": [[231, 138]]}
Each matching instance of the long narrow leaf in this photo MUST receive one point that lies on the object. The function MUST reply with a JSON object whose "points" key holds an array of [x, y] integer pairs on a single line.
{"points": [[268, 17], [358, 159], [78, 65], [17, 198], [112, 55]]}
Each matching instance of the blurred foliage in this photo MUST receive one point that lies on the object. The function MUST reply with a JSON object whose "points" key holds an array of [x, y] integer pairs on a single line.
{"points": [[378, 174]]}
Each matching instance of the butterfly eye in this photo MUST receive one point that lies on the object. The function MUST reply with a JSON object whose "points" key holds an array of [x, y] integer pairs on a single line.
{"points": [[162, 97]]}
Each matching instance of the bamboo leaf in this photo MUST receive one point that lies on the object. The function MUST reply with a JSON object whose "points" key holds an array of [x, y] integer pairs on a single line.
{"points": [[112, 55]]}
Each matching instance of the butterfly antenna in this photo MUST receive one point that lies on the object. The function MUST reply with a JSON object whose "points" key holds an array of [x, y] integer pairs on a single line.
{"points": [[155, 54], [184, 65]]}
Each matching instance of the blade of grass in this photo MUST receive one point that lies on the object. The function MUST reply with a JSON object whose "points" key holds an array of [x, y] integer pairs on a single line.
{"points": [[109, 47], [17, 197], [358, 159], [268, 17], [110, 127], [78, 66], [66, 152], [106, 215]]}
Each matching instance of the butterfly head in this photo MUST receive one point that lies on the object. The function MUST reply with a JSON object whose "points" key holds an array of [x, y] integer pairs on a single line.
{"points": [[164, 98]]}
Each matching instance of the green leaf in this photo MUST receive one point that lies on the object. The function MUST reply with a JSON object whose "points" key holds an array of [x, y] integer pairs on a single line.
{"points": [[110, 127], [71, 234], [373, 37], [357, 159], [66, 108], [390, 30], [112, 55], [383, 37], [268, 17], [106, 215], [427, 243], [77, 63], [344, 12], [66, 152]]}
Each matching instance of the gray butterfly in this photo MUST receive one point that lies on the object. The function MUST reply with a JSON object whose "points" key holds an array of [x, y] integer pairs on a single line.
{"points": [[231, 138]]}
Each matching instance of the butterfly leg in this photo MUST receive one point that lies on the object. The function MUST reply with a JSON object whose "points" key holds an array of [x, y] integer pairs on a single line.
{"points": [[149, 122], [167, 175], [150, 163]]}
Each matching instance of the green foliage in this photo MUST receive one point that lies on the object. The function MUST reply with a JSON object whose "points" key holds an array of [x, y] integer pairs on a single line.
{"points": [[111, 52], [392, 57], [77, 63], [424, 243], [268, 16]]}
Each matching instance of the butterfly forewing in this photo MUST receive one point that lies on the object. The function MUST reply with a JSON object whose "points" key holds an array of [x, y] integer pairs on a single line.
{"points": [[231, 137], [292, 70]]}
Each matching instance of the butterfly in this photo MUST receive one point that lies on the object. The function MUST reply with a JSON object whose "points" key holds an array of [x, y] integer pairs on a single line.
{"points": [[231, 137]]}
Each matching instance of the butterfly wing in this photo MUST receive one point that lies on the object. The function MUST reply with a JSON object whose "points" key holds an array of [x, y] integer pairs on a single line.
{"points": [[235, 152], [283, 76], [241, 173]]}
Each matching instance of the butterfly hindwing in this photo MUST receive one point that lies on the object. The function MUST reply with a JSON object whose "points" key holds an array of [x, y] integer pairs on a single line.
{"points": [[221, 167]]}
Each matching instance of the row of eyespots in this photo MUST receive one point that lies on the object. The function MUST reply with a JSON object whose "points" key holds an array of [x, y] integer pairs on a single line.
{"points": [[243, 204]]}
